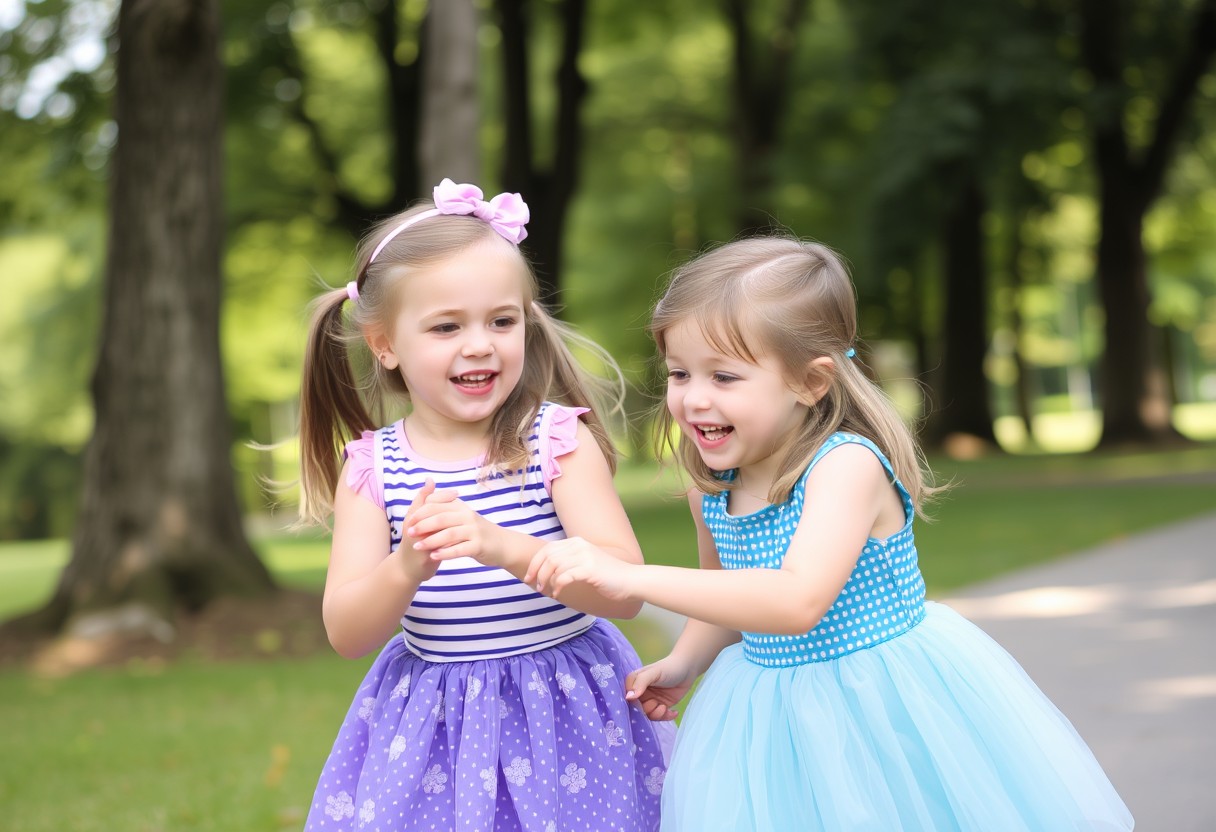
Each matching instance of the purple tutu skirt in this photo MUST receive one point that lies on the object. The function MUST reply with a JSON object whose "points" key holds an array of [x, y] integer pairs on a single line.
{"points": [[538, 742]]}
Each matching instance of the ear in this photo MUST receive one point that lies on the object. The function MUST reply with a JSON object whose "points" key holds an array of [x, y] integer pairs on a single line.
{"points": [[817, 380], [382, 347]]}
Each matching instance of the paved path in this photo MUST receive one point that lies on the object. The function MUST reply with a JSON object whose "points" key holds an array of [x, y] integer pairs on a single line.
{"points": [[1123, 639]]}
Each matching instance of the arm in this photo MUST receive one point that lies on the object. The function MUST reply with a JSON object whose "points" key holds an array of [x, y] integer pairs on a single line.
{"points": [[586, 504], [848, 499], [367, 592], [660, 686]]}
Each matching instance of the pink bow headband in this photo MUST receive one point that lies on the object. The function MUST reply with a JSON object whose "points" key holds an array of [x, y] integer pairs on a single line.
{"points": [[506, 213]]}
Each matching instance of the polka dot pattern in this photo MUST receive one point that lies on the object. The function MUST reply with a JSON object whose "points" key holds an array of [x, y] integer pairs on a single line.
{"points": [[539, 742], [883, 597]]}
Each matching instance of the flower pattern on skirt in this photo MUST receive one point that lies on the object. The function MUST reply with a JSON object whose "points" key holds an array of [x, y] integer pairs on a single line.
{"points": [[537, 742]]}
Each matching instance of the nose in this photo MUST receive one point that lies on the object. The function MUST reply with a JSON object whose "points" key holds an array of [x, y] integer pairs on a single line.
{"points": [[696, 397], [477, 342]]}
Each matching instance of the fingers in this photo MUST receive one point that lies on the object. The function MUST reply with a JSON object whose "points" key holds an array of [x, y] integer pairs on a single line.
{"points": [[439, 514], [658, 712], [639, 680], [544, 562], [428, 488]]}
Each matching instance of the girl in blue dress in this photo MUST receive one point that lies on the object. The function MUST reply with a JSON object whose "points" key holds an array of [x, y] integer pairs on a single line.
{"points": [[835, 697]]}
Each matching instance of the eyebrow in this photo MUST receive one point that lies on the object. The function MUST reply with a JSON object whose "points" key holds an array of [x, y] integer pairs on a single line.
{"points": [[506, 307]]}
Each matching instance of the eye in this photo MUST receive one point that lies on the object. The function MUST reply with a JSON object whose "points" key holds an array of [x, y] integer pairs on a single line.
{"points": [[724, 378], [444, 329], [677, 375], [503, 322]]}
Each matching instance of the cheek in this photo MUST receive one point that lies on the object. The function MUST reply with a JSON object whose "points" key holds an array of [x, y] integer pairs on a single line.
{"points": [[674, 400]]}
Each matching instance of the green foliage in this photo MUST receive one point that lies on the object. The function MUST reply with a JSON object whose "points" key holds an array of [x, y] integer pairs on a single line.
{"points": [[888, 101]]}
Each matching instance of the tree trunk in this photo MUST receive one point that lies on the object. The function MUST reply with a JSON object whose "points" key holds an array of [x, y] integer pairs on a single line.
{"points": [[1023, 391], [1135, 406], [1135, 403], [760, 96], [450, 144], [159, 527], [548, 191], [963, 399], [403, 106]]}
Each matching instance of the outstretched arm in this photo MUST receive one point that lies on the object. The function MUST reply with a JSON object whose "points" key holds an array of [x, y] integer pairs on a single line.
{"points": [[586, 504], [845, 495], [367, 592], [660, 686]]}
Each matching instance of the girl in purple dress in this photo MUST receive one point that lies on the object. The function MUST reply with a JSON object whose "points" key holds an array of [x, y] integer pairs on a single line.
{"points": [[491, 707]]}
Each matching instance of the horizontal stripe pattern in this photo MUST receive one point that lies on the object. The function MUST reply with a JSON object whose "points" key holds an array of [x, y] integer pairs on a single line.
{"points": [[468, 611]]}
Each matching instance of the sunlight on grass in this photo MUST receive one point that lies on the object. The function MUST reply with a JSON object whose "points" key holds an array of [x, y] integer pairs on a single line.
{"points": [[1053, 432], [1079, 431], [1197, 420]]}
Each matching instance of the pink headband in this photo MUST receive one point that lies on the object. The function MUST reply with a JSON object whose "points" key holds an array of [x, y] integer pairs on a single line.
{"points": [[506, 213]]}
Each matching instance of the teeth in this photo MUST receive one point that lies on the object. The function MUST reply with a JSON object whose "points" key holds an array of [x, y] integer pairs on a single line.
{"points": [[713, 432], [476, 377]]}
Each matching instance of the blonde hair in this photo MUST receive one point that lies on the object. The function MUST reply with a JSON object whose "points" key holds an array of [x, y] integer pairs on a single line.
{"points": [[793, 300], [344, 392]]}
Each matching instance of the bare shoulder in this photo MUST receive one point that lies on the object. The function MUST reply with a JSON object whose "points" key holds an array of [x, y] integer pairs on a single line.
{"points": [[848, 464]]}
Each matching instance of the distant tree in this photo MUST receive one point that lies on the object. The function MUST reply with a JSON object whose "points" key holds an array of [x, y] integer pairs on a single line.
{"points": [[763, 78], [548, 188], [159, 528], [974, 92], [451, 117], [1119, 38], [403, 101]]}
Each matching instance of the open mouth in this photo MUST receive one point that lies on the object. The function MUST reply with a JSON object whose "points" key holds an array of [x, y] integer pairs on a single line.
{"points": [[474, 381], [714, 433]]}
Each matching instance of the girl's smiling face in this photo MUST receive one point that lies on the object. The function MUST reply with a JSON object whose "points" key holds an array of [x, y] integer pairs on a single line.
{"points": [[738, 413], [458, 339]]}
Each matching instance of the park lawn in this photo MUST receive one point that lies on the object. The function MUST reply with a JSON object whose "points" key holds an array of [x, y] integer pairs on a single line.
{"points": [[200, 746]]}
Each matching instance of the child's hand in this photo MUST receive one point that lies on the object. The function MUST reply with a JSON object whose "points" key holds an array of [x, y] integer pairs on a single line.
{"points": [[563, 562], [423, 566], [658, 687], [447, 528]]}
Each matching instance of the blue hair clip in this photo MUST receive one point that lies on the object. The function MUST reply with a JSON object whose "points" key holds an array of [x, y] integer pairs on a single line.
{"points": [[850, 352]]}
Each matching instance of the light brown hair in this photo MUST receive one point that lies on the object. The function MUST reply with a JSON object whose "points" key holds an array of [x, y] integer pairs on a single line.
{"points": [[344, 391], [793, 300]]}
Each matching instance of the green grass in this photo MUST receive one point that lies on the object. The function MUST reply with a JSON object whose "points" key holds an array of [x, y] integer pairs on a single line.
{"points": [[214, 747], [202, 747]]}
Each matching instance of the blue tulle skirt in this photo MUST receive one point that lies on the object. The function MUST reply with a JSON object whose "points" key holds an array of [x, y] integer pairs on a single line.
{"points": [[937, 729]]}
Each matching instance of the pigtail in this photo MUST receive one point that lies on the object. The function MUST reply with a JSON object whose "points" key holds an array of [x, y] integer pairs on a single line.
{"points": [[331, 409]]}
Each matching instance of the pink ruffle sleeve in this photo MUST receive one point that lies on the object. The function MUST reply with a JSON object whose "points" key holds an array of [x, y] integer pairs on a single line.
{"points": [[558, 437], [361, 468]]}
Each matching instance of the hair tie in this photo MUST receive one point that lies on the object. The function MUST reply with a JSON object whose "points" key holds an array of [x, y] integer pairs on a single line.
{"points": [[850, 353], [506, 213], [352, 290]]}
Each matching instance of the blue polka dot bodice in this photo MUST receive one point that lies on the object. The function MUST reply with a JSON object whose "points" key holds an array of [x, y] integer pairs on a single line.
{"points": [[884, 596]]}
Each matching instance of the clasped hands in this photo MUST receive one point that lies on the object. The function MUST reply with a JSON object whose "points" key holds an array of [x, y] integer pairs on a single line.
{"points": [[444, 527]]}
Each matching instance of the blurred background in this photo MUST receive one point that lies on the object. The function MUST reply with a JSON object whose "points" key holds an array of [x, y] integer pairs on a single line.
{"points": [[1024, 189]]}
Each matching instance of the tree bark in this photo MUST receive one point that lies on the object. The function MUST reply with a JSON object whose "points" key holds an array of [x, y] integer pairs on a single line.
{"points": [[1023, 390], [548, 191], [964, 406], [1135, 402], [403, 108], [450, 143], [761, 94], [159, 526]]}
